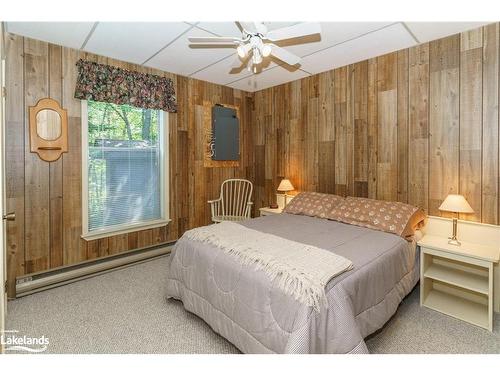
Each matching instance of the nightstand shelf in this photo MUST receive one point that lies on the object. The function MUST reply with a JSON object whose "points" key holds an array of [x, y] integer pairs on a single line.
{"points": [[457, 277], [458, 280], [458, 307]]}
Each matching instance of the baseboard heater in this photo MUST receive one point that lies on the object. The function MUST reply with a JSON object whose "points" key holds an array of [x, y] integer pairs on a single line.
{"points": [[37, 282]]}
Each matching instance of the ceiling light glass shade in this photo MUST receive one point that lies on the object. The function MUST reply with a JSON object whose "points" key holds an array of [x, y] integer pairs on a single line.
{"points": [[241, 51], [257, 57], [266, 50]]}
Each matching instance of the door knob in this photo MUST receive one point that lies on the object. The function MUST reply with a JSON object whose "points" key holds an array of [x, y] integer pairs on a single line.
{"points": [[11, 216]]}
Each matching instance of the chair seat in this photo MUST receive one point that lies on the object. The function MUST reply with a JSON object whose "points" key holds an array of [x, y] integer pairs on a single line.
{"points": [[221, 218]]}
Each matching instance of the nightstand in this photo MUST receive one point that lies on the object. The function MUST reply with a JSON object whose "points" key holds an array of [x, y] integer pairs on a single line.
{"points": [[266, 211], [458, 280]]}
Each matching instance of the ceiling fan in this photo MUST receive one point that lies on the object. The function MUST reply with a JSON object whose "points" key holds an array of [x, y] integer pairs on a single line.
{"points": [[257, 42]]}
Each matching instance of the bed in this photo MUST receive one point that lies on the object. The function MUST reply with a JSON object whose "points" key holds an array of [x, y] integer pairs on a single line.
{"points": [[247, 307]]}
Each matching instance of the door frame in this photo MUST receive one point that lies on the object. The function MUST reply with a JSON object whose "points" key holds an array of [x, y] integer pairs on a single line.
{"points": [[3, 259]]}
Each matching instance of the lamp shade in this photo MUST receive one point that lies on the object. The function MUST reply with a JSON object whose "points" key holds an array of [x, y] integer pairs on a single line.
{"points": [[456, 203], [285, 185]]}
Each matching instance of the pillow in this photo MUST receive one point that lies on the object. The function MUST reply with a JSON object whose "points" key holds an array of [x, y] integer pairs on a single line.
{"points": [[313, 204], [393, 217]]}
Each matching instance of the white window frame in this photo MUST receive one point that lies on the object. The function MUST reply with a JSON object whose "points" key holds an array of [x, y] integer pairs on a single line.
{"points": [[164, 188]]}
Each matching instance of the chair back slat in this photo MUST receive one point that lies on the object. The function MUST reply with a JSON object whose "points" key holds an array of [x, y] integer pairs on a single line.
{"points": [[235, 194]]}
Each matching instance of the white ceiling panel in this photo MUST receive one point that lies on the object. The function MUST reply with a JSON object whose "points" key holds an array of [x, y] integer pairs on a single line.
{"points": [[67, 34], [133, 41], [221, 28], [230, 28], [268, 78], [223, 72], [182, 59], [278, 25], [380, 42], [165, 45], [331, 33], [426, 31]]}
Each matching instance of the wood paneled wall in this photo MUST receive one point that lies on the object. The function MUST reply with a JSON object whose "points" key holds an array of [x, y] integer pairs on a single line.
{"points": [[412, 126], [46, 197]]}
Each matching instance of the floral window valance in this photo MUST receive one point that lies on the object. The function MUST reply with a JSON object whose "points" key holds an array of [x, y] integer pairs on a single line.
{"points": [[106, 83]]}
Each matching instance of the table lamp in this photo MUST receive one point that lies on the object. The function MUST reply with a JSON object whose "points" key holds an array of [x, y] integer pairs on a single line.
{"points": [[458, 204], [286, 186]]}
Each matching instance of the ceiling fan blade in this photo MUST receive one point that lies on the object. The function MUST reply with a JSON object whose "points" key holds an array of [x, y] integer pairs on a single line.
{"points": [[283, 55], [214, 40], [249, 27], [260, 27], [295, 31], [239, 26], [238, 64]]}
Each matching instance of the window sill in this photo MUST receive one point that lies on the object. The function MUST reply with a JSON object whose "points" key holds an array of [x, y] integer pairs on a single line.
{"points": [[108, 232]]}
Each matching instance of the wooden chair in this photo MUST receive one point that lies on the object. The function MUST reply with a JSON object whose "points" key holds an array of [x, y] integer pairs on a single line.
{"points": [[234, 202]]}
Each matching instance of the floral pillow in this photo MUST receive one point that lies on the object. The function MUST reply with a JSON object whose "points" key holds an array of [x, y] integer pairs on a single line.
{"points": [[313, 204], [393, 217]]}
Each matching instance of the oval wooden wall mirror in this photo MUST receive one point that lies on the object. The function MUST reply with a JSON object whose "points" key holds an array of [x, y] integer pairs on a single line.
{"points": [[48, 129]]}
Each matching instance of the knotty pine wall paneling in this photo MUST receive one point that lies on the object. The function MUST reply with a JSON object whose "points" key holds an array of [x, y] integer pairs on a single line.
{"points": [[418, 126], [490, 191], [387, 95], [360, 123], [372, 147], [471, 95], [36, 171], [413, 126], [46, 197]]}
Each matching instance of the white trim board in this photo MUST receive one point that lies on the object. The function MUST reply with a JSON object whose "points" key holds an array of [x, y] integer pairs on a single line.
{"points": [[3, 255], [164, 177]]}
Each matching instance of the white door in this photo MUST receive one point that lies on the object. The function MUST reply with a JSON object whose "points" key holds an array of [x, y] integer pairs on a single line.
{"points": [[3, 261]]}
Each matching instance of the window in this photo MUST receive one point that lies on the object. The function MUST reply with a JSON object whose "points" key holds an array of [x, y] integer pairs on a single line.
{"points": [[125, 168]]}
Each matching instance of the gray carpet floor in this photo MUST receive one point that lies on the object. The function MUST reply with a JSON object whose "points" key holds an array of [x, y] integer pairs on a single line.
{"points": [[125, 311]]}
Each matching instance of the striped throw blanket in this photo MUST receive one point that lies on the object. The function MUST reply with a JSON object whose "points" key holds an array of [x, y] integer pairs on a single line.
{"points": [[300, 270]]}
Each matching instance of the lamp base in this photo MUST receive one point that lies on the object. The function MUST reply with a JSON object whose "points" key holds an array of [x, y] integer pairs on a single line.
{"points": [[286, 199], [453, 239]]}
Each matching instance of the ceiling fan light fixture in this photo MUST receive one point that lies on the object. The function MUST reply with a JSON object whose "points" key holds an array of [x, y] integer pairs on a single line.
{"points": [[257, 57], [257, 42], [241, 51], [266, 50]]}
